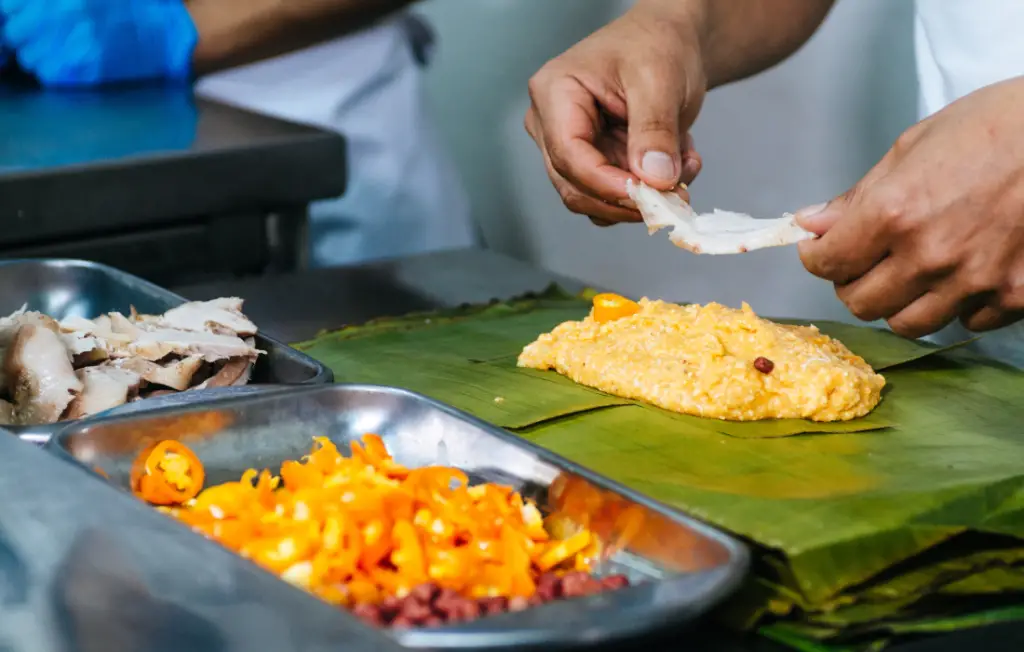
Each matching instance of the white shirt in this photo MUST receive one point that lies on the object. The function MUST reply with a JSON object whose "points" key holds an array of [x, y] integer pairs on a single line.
{"points": [[961, 46], [404, 194]]}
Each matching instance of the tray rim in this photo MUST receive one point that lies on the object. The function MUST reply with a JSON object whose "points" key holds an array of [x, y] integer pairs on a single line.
{"points": [[732, 572], [41, 433]]}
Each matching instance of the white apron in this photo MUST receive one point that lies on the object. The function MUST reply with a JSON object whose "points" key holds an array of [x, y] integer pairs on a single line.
{"points": [[404, 195], [961, 46]]}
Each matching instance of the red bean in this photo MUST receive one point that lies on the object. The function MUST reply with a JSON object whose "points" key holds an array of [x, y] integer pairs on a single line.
{"points": [[491, 606], [390, 606], [402, 622], [518, 603], [549, 586], [415, 610], [369, 614], [464, 610], [613, 582], [425, 592], [764, 365], [574, 584], [445, 597]]}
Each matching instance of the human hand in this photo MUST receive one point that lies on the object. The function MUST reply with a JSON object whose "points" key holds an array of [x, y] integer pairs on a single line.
{"points": [[93, 42], [618, 106], [935, 231]]}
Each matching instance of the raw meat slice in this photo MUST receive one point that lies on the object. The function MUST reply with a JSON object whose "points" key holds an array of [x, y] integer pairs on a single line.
{"points": [[718, 232]]}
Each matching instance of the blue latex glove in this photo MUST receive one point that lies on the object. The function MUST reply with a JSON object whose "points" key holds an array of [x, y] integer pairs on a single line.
{"points": [[93, 42], [5, 52]]}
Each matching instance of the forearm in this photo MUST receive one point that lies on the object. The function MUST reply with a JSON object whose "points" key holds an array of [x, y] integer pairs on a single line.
{"points": [[236, 32], [740, 38]]}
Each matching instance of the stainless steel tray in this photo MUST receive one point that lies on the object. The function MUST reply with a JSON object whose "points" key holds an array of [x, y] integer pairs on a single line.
{"points": [[62, 288], [85, 567], [683, 566]]}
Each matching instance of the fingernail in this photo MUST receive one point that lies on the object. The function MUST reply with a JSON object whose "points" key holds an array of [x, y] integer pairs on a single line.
{"points": [[817, 219], [805, 216], [811, 211], [659, 165]]}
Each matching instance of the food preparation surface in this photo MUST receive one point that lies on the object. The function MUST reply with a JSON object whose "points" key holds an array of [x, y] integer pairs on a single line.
{"points": [[329, 298], [83, 163]]}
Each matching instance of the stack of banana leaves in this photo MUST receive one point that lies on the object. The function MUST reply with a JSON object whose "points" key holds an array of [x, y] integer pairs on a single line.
{"points": [[907, 522]]}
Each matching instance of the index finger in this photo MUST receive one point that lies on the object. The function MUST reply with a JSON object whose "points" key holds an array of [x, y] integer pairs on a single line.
{"points": [[854, 244], [570, 121]]}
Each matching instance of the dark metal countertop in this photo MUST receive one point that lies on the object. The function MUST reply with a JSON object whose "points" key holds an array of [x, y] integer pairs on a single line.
{"points": [[296, 306], [86, 163]]}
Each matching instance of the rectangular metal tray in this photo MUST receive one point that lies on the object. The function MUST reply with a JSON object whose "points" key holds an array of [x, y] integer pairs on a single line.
{"points": [[87, 568], [62, 288], [681, 567]]}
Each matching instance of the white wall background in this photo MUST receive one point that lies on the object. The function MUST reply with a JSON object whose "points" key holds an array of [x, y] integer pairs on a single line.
{"points": [[796, 135]]}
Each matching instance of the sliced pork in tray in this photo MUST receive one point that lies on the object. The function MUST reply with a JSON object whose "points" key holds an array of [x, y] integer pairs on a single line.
{"points": [[78, 367]]}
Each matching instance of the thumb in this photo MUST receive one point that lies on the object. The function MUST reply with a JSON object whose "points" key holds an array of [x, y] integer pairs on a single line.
{"points": [[653, 111], [818, 219]]}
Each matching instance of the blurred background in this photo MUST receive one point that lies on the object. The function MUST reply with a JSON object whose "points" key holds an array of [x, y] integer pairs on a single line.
{"points": [[797, 135]]}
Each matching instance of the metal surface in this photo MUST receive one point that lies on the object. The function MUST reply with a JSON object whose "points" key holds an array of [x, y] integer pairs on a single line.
{"points": [[298, 305], [90, 162], [87, 568], [684, 567], [63, 288]]}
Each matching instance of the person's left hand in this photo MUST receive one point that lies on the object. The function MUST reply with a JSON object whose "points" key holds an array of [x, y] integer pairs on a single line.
{"points": [[93, 42], [935, 231]]}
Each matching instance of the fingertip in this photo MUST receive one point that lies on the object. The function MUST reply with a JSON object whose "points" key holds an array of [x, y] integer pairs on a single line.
{"points": [[692, 165], [657, 169], [817, 219]]}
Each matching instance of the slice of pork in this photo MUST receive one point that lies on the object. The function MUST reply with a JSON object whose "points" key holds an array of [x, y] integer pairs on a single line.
{"points": [[176, 374], [9, 325], [39, 375], [234, 372], [103, 387], [159, 343], [222, 316]]}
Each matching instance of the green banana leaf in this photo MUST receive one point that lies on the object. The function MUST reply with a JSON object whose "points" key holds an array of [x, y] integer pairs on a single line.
{"points": [[492, 336], [830, 512]]}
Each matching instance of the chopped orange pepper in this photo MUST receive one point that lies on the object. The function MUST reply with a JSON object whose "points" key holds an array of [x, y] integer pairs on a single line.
{"points": [[167, 473], [609, 307], [559, 551], [357, 529]]}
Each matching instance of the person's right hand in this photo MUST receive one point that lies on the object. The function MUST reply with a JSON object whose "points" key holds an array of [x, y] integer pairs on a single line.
{"points": [[616, 106]]}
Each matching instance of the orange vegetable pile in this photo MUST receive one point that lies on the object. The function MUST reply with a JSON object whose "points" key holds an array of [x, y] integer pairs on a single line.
{"points": [[358, 529]]}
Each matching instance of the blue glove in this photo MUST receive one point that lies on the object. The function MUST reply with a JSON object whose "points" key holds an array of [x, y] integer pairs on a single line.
{"points": [[93, 42], [5, 52]]}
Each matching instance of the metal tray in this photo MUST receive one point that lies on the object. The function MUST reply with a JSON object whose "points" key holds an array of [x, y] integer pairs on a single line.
{"points": [[64, 288], [683, 567], [87, 568]]}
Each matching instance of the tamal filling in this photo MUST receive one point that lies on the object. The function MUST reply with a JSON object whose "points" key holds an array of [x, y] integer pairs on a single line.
{"points": [[710, 361]]}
